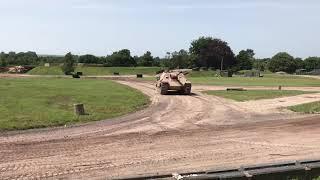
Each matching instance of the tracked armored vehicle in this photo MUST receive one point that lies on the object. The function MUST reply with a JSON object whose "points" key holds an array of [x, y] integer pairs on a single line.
{"points": [[173, 81]]}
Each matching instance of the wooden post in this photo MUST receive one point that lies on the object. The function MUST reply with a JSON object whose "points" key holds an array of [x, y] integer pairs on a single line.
{"points": [[79, 109]]}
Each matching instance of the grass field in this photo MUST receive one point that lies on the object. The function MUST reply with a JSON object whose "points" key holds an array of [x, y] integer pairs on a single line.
{"points": [[310, 108], [202, 74], [254, 94], [43, 102], [87, 71], [267, 80], [196, 77]]}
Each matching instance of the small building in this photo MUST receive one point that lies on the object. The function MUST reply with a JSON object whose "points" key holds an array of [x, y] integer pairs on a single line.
{"points": [[314, 72], [226, 73], [301, 71]]}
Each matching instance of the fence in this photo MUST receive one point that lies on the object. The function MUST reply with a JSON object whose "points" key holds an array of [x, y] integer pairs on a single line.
{"points": [[294, 170]]}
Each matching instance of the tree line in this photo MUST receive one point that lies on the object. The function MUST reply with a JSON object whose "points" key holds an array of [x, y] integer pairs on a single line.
{"points": [[204, 52], [119, 58]]}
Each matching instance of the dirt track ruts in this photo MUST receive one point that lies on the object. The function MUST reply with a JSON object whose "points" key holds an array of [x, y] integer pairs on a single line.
{"points": [[175, 134]]}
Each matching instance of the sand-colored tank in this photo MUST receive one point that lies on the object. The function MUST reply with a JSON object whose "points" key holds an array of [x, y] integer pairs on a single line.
{"points": [[173, 81]]}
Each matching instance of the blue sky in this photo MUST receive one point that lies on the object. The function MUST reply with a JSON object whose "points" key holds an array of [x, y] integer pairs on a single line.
{"points": [[100, 27]]}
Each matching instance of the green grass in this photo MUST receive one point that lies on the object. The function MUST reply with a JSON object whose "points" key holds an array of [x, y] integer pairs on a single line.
{"points": [[310, 108], [55, 70], [196, 77], [44, 102], [267, 80], [87, 71], [209, 73], [254, 94]]}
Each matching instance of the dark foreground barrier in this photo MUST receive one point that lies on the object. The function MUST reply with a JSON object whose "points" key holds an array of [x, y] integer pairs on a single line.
{"points": [[235, 89], [75, 76], [298, 170]]}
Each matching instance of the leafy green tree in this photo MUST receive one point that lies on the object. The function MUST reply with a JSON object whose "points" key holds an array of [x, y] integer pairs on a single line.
{"points": [[11, 58], [90, 59], [122, 58], [156, 61], [27, 58], [211, 52], [3, 59], [146, 59], [136, 59], [282, 62], [180, 59], [51, 59], [68, 64], [312, 63], [177, 59], [21, 58], [245, 59], [107, 61], [261, 64], [299, 63], [165, 62]]}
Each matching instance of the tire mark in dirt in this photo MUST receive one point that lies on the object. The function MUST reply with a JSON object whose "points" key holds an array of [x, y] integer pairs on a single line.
{"points": [[174, 132]]}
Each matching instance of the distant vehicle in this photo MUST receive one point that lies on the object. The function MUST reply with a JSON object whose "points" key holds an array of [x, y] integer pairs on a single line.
{"points": [[173, 81]]}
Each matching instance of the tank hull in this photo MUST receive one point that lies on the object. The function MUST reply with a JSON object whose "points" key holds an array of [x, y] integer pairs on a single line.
{"points": [[173, 81]]}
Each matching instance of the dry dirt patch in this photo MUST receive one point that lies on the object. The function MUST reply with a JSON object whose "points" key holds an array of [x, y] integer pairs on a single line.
{"points": [[175, 134]]}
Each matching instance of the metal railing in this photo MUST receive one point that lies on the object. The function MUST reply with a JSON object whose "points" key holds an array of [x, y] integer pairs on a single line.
{"points": [[292, 170]]}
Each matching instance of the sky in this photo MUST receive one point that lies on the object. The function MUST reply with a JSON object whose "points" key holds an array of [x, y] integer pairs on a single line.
{"points": [[101, 27]]}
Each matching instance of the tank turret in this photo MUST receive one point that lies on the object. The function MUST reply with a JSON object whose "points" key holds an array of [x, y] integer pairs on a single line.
{"points": [[173, 81]]}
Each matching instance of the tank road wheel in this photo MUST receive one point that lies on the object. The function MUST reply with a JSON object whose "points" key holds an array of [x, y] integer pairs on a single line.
{"points": [[187, 89], [164, 89]]}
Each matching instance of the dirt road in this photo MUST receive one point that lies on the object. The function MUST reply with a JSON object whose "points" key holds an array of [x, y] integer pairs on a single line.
{"points": [[175, 134]]}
